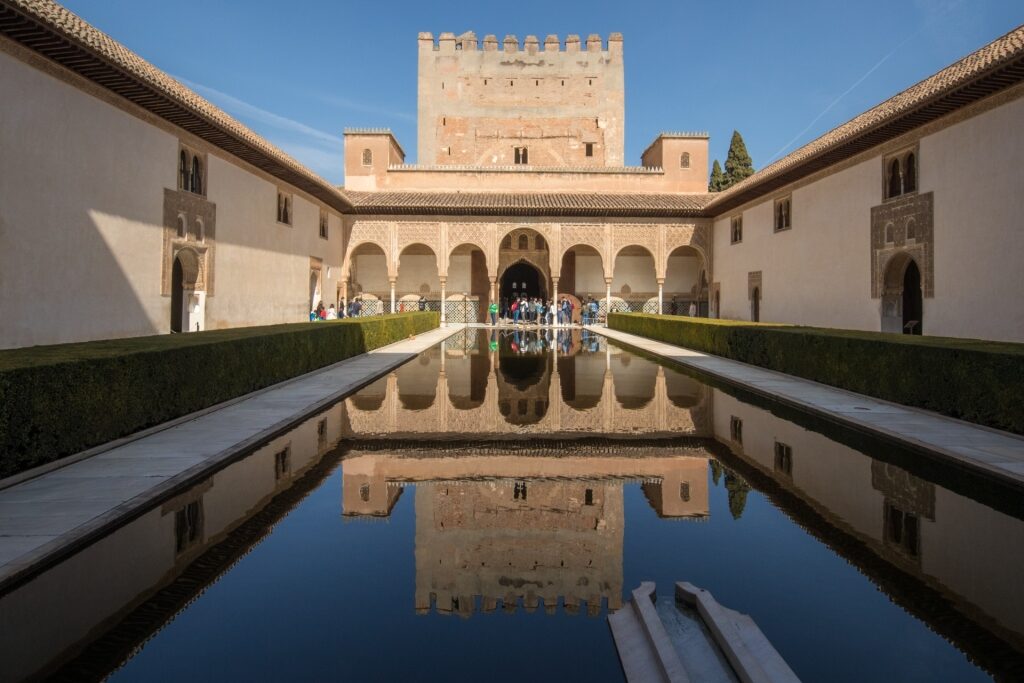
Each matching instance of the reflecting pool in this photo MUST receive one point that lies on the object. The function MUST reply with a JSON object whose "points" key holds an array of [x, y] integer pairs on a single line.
{"points": [[476, 514]]}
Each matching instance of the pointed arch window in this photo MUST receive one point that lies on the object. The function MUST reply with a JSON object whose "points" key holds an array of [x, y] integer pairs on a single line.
{"points": [[684, 160], [783, 220], [284, 208], [901, 171], [367, 157], [197, 176], [910, 173], [524, 243], [183, 168], [895, 184]]}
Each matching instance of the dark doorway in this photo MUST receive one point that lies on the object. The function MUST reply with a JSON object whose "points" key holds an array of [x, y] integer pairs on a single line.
{"points": [[913, 307], [522, 279], [755, 305], [177, 290]]}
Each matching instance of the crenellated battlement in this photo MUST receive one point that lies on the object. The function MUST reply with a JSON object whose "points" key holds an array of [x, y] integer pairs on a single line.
{"points": [[468, 42]]}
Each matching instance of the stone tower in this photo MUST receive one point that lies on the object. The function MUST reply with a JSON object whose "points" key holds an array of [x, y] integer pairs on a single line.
{"points": [[532, 105]]}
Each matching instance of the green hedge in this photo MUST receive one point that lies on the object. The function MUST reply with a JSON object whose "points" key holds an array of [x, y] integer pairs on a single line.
{"points": [[978, 381], [62, 399]]}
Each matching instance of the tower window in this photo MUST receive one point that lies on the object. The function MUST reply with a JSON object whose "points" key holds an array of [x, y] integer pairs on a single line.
{"points": [[521, 155], [589, 149], [684, 160]]}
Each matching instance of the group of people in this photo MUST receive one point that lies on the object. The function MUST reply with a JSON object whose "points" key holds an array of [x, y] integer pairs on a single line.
{"points": [[322, 312], [537, 311]]}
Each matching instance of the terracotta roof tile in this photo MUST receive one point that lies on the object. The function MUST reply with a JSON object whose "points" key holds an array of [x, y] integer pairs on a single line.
{"points": [[530, 203]]}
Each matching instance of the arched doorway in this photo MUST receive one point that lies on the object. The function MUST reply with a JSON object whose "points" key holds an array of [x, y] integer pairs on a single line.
{"points": [[418, 276], [902, 302], [523, 279], [913, 306], [634, 282], [755, 305], [686, 283], [314, 289], [368, 273], [177, 291]]}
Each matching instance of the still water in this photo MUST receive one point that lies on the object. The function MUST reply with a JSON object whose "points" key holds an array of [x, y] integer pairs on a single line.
{"points": [[477, 513]]}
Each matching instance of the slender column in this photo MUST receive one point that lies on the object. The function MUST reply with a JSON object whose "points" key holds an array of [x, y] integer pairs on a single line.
{"points": [[661, 297], [494, 282], [444, 296], [607, 297], [344, 296], [392, 282], [554, 293], [491, 299]]}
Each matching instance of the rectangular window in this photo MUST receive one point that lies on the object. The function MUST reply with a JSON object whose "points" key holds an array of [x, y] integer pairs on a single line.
{"points": [[188, 526], [736, 229], [324, 225], [736, 429], [590, 149], [783, 459], [521, 155], [783, 214], [902, 530]]}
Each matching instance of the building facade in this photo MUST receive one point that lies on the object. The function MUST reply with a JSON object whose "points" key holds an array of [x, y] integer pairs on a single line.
{"points": [[170, 216]]}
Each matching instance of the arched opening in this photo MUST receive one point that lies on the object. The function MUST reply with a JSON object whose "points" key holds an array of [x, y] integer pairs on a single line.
{"points": [[682, 390], [894, 178], [371, 397], [634, 282], [755, 305], [417, 383], [418, 284], [468, 287], [581, 379], [369, 277], [467, 373], [582, 275], [913, 304], [686, 285], [910, 174], [197, 175], [523, 279], [183, 168], [902, 299], [524, 243], [177, 293]]}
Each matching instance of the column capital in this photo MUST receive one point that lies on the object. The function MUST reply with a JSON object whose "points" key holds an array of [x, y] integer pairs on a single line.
{"points": [[660, 281], [608, 281]]}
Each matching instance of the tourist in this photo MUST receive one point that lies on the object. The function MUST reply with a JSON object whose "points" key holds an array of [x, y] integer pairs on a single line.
{"points": [[693, 309], [674, 307], [515, 311], [332, 313], [321, 312], [493, 310], [592, 305], [423, 303]]}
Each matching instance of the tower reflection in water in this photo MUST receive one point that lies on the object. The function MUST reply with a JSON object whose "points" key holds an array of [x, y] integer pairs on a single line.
{"points": [[515, 511]]}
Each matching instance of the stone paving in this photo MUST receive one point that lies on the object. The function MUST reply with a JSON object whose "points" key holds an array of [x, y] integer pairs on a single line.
{"points": [[44, 518], [992, 451]]}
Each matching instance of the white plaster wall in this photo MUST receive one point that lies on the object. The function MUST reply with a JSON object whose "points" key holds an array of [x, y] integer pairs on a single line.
{"points": [[589, 273], [974, 169], [81, 205], [635, 271], [415, 270], [681, 273], [460, 272], [81, 213], [819, 272], [370, 271], [263, 267]]}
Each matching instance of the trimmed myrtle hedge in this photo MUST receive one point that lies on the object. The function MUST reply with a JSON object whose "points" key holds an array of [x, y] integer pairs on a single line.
{"points": [[62, 399], [978, 381]]}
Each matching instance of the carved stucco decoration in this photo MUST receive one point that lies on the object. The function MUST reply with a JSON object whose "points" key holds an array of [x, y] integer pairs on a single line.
{"points": [[198, 244], [903, 227], [429, 234], [591, 235], [368, 232]]}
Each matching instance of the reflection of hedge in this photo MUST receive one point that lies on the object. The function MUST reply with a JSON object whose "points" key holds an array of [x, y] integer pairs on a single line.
{"points": [[61, 399], [973, 380]]}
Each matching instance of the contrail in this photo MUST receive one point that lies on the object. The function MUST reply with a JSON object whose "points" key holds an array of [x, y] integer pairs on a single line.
{"points": [[860, 80]]}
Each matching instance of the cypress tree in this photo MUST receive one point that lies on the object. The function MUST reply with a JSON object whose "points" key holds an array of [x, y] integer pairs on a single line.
{"points": [[717, 179], [738, 164]]}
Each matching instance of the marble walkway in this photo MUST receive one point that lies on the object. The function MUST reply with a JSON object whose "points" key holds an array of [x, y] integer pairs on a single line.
{"points": [[997, 453], [50, 516]]}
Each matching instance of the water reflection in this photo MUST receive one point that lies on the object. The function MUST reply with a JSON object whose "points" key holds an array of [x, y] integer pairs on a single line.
{"points": [[537, 472], [529, 383], [495, 527]]}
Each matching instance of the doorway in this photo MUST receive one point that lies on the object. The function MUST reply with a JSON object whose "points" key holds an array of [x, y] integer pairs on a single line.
{"points": [[523, 279], [177, 295], [913, 306], [755, 305]]}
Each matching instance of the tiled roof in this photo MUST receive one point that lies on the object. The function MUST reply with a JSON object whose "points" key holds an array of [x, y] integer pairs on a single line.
{"points": [[997, 66], [530, 203], [60, 35]]}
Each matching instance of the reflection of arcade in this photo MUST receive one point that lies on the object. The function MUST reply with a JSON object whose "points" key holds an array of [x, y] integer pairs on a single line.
{"points": [[529, 530], [530, 383]]}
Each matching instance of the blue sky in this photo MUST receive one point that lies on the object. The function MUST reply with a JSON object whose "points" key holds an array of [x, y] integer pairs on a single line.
{"points": [[780, 73]]}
